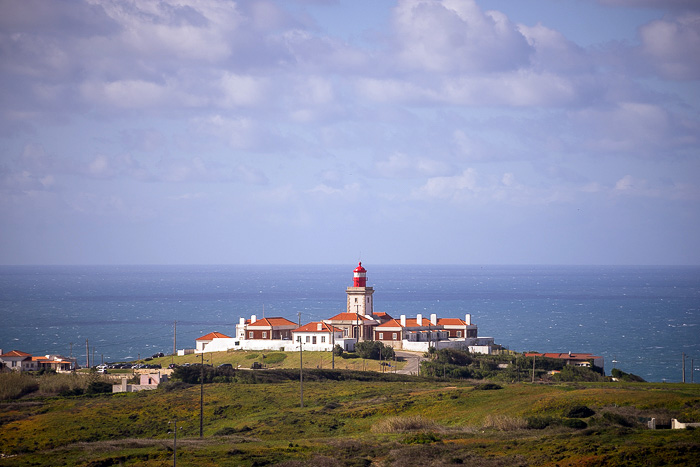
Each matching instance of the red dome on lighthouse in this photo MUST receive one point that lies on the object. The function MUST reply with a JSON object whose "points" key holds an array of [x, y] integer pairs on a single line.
{"points": [[359, 278]]}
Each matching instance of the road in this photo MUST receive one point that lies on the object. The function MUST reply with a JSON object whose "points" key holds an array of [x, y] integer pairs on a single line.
{"points": [[413, 360]]}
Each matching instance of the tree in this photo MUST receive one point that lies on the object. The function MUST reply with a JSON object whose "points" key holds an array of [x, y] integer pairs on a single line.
{"points": [[373, 350]]}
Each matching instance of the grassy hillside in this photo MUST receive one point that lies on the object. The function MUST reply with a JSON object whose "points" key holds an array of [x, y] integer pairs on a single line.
{"points": [[409, 421]]}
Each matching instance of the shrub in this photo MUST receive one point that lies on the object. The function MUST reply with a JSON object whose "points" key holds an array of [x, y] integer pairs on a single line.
{"points": [[574, 423], [422, 438], [373, 350], [579, 411], [98, 387], [274, 358], [487, 387], [404, 424], [338, 350], [539, 423], [16, 384], [616, 419]]}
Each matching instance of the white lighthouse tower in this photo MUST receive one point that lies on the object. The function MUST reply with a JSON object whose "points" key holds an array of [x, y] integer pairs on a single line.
{"points": [[359, 295]]}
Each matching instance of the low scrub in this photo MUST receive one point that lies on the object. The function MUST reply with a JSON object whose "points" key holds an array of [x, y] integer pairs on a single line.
{"points": [[405, 424], [505, 423], [14, 385]]}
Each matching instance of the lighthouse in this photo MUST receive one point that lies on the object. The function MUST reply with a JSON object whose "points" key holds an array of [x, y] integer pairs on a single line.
{"points": [[359, 295]]}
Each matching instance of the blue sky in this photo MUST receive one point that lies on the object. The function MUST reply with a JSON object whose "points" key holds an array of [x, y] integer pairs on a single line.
{"points": [[321, 131]]}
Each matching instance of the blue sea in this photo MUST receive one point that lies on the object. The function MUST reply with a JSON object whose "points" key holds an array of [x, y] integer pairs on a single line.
{"points": [[641, 319]]}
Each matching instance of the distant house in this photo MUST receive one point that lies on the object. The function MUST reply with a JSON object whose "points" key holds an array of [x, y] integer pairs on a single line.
{"points": [[576, 359], [203, 341], [320, 336], [17, 360], [147, 382], [276, 328], [419, 333]]}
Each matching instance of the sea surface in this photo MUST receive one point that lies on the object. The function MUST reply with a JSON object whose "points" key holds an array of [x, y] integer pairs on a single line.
{"points": [[640, 319]]}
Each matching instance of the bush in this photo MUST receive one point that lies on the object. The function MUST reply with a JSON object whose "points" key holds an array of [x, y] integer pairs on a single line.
{"points": [[617, 419], [539, 423], [574, 423], [487, 387], [273, 358], [373, 350], [579, 411], [98, 387], [338, 350], [15, 384], [404, 424], [422, 438]]}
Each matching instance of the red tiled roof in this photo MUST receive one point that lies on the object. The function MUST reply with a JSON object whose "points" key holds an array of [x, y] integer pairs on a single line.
{"points": [[276, 321], [383, 314], [349, 317], [16, 353], [313, 327], [451, 322], [566, 356], [392, 323], [213, 335]]}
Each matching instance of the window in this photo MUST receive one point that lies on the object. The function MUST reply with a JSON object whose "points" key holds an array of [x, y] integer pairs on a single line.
{"points": [[355, 299], [459, 333], [314, 340], [264, 335], [308, 339], [394, 336], [250, 335], [381, 336], [323, 339]]}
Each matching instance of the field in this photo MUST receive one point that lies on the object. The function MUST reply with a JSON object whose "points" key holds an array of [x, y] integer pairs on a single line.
{"points": [[359, 420]]}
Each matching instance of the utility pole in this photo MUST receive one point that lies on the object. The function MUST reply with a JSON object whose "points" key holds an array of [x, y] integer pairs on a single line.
{"points": [[533, 368], [201, 400], [174, 441], [332, 346], [301, 373], [174, 337], [71, 350], [683, 356], [87, 354]]}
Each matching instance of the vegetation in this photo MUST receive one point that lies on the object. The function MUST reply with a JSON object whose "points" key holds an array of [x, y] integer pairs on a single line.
{"points": [[349, 417], [356, 418]]}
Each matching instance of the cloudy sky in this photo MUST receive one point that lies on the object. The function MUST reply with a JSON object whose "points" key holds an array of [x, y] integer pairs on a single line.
{"points": [[323, 131]]}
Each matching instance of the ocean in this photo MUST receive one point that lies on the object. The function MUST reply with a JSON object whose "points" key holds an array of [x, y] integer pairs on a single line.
{"points": [[641, 319]]}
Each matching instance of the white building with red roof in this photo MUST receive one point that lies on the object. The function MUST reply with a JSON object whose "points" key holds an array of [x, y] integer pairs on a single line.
{"points": [[576, 359], [17, 360], [357, 323], [321, 337], [201, 343], [419, 334]]}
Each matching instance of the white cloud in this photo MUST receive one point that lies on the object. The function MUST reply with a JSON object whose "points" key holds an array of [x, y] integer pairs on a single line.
{"points": [[672, 46], [243, 90], [400, 165], [455, 187], [456, 36]]}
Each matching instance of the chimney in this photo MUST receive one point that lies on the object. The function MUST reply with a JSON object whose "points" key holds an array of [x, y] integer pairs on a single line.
{"points": [[433, 319], [403, 320], [468, 319], [319, 326], [241, 321], [253, 319], [419, 319]]}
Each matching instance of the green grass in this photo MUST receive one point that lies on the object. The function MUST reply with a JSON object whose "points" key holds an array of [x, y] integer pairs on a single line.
{"points": [[413, 421]]}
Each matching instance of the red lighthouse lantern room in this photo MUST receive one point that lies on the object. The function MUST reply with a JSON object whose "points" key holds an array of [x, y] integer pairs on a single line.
{"points": [[359, 278]]}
